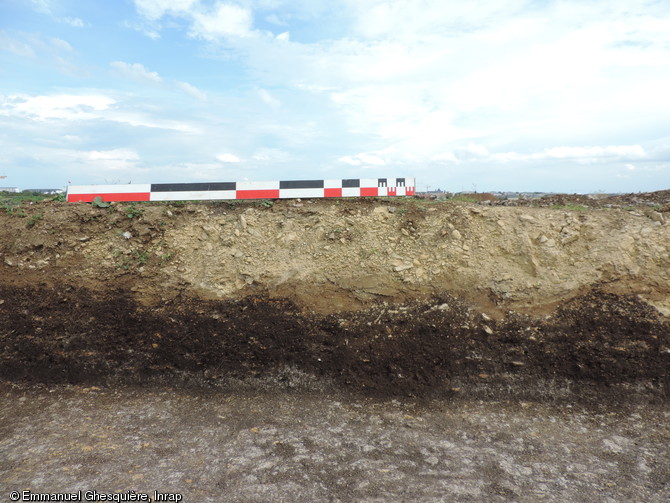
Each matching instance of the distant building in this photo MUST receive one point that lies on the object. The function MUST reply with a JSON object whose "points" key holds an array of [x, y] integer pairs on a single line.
{"points": [[9, 189], [45, 191]]}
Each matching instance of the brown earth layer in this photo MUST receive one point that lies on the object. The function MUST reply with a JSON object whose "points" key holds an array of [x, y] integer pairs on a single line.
{"points": [[381, 296]]}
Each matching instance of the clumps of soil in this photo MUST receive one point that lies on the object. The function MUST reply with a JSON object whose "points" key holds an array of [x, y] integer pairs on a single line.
{"points": [[75, 336], [659, 200]]}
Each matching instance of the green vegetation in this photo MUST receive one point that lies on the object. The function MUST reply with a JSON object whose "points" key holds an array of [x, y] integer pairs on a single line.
{"points": [[132, 211], [98, 203], [365, 254], [15, 203], [138, 257], [34, 219], [142, 256], [464, 198], [13, 210], [11, 201], [569, 207]]}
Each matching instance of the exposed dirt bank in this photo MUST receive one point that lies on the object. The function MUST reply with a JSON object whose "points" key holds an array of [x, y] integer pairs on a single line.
{"points": [[329, 256], [388, 297]]}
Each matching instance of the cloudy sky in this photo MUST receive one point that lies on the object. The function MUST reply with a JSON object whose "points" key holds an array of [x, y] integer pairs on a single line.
{"points": [[539, 95]]}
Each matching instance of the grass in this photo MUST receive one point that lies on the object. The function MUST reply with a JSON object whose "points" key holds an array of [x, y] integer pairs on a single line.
{"points": [[464, 199], [12, 203], [34, 219], [367, 253], [569, 207], [13, 210], [142, 256], [138, 257]]}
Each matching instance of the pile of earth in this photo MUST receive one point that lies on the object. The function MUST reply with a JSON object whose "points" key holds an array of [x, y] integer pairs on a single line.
{"points": [[658, 201]]}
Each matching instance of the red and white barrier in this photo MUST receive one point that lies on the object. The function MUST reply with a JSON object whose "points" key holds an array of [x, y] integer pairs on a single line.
{"points": [[358, 187]]}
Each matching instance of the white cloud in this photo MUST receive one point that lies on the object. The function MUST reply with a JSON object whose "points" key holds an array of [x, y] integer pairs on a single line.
{"points": [[224, 20], [363, 159], [276, 20], [102, 163], [268, 98], [445, 157], [429, 79], [351, 161], [62, 106], [192, 90], [14, 46], [137, 72], [155, 9], [52, 52], [73, 21], [621, 151], [45, 7], [371, 159], [42, 6], [578, 154], [476, 150], [114, 160], [142, 119], [61, 44], [67, 107], [271, 155], [227, 157]]}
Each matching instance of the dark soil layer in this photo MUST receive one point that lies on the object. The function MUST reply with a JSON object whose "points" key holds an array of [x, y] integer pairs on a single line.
{"points": [[75, 336]]}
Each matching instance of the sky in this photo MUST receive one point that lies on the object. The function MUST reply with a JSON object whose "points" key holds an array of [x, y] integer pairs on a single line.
{"points": [[514, 95]]}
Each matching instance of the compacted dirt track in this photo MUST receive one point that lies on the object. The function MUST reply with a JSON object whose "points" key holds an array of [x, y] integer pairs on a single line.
{"points": [[325, 446]]}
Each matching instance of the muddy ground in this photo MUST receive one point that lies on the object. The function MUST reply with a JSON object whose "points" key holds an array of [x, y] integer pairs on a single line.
{"points": [[274, 351]]}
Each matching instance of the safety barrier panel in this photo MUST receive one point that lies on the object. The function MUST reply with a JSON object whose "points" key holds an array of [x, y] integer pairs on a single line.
{"points": [[354, 187]]}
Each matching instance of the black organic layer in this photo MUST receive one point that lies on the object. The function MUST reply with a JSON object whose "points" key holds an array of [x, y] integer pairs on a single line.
{"points": [[70, 335]]}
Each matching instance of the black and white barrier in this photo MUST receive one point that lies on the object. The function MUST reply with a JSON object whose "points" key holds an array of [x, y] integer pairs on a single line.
{"points": [[356, 187]]}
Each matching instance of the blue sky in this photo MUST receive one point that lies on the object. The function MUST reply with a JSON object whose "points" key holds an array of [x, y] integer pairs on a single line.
{"points": [[568, 96]]}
